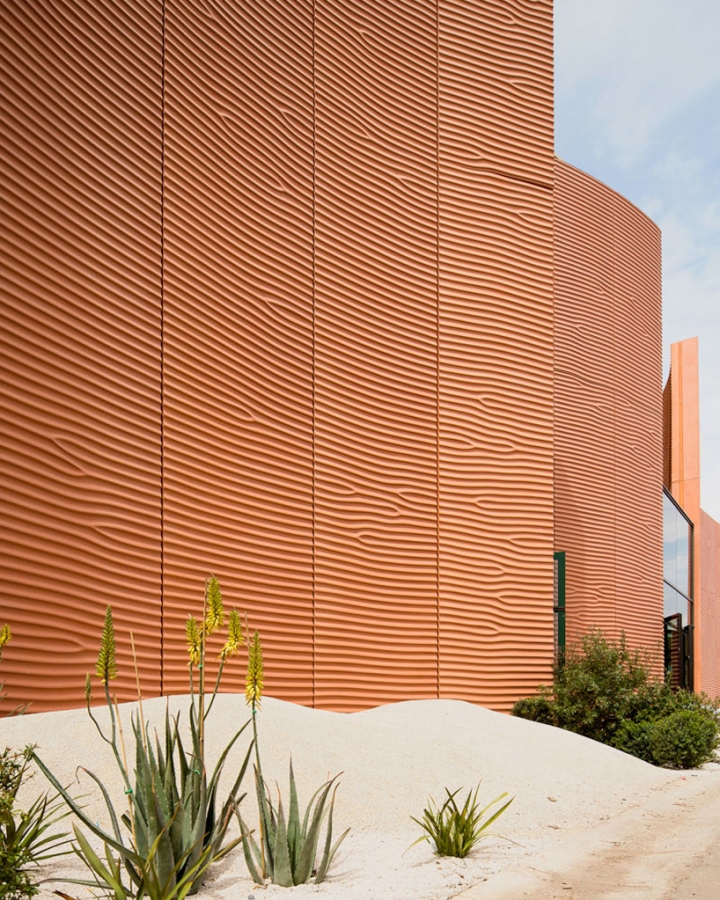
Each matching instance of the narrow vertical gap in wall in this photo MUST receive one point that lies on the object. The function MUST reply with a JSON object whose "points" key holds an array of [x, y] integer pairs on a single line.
{"points": [[162, 353], [314, 651], [437, 346]]}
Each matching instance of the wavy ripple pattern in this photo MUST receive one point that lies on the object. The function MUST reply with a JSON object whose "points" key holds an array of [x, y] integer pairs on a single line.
{"points": [[495, 175], [608, 438], [79, 341], [319, 237], [238, 326], [376, 365], [710, 604]]}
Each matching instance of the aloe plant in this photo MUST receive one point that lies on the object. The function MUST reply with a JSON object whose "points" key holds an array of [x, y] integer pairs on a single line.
{"points": [[173, 827], [456, 830], [287, 848]]}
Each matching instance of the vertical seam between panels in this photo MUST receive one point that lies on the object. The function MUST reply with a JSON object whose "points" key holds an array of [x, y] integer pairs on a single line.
{"points": [[162, 353], [437, 347], [313, 360]]}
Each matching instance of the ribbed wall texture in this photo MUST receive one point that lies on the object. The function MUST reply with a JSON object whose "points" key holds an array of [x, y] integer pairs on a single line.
{"points": [[608, 410], [375, 352], [684, 391], [286, 273], [495, 146], [710, 604], [238, 279], [80, 140]]}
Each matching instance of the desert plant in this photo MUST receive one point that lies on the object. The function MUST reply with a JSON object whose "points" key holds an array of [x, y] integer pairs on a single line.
{"points": [[24, 838], [685, 739], [175, 827], [455, 830], [535, 709], [287, 849]]}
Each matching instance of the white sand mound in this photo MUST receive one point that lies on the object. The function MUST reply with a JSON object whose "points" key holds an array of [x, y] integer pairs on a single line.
{"points": [[392, 758]]}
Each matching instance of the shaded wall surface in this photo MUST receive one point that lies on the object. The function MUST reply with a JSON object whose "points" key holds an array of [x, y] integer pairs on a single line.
{"points": [[608, 410], [682, 388], [286, 274], [710, 604]]}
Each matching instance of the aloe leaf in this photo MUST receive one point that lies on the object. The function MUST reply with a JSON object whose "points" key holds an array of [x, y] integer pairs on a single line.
{"points": [[293, 828], [330, 849], [248, 849], [306, 858], [95, 864], [282, 873]]}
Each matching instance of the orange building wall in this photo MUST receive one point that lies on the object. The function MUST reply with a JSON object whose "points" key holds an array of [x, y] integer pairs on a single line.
{"points": [[685, 469], [80, 375], [495, 415], [608, 410], [709, 650], [294, 329]]}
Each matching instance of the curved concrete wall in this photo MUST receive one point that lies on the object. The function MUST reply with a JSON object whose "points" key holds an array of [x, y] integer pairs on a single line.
{"points": [[285, 273], [608, 410]]}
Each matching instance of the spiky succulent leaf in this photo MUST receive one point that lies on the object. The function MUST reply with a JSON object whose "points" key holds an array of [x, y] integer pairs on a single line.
{"points": [[106, 666], [214, 613], [192, 636], [88, 689], [255, 673]]}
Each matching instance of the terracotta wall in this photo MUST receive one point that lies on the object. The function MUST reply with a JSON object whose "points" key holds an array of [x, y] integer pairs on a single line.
{"points": [[80, 308], [297, 316], [495, 151], [608, 410], [709, 651], [683, 387]]}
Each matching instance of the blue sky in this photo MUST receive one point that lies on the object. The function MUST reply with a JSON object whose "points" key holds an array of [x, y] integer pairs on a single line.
{"points": [[637, 105]]}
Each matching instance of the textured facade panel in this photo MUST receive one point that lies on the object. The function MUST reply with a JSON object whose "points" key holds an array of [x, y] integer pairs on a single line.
{"points": [[238, 326], [495, 137], [637, 291], [608, 438], [80, 341], [683, 387], [585, 375], [375, 352], [710, 604]]}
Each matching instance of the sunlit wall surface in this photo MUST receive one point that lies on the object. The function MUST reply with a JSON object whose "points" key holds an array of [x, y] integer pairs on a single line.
{"points": [[281, 309]]}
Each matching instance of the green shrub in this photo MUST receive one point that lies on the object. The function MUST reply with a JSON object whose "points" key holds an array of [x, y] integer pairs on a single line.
{"points": [[634, 738], [24, 841], [454, 830], [607, 692], [535, 709], [685, 739]]}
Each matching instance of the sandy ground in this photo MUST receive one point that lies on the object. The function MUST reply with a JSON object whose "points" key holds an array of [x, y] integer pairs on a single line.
{"points": [[587, 821]]}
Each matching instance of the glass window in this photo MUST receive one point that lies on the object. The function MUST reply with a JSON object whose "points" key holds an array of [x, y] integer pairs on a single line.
{"points": [[676, 547]]}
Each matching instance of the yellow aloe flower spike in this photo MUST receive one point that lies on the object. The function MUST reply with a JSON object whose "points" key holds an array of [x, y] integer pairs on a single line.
{"points": [[106, 667], [4, 637], [235, 638], [254, 677], [192, 635], [215, 614]]}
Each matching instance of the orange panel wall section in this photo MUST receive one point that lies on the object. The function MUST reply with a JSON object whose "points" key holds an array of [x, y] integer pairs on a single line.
{"points": [[685, 469], [608, 411], [709, 650], [80, 381], [495, 406], [289, 288]]}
